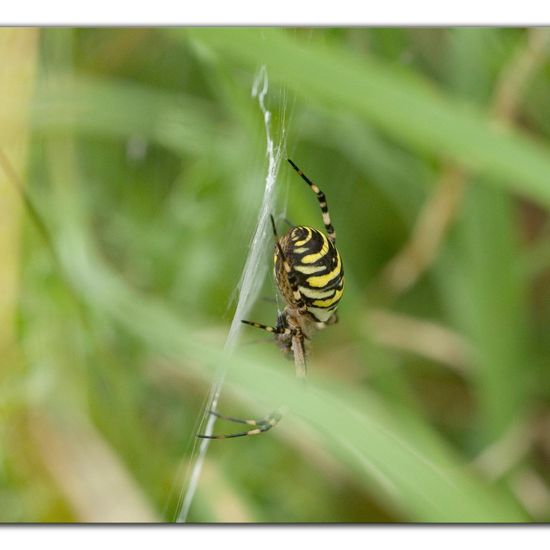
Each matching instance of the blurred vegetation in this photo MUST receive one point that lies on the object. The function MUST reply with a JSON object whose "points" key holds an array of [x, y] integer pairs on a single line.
{"points": [[142, 158]]}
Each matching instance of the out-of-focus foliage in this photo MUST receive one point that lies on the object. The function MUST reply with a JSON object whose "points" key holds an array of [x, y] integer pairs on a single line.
{"points": [[429, 401]]}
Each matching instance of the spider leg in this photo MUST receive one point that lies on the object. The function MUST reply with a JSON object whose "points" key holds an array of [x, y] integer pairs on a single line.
{"points": [[251, 422], [260, 426], [272, 330], [322, 203]]}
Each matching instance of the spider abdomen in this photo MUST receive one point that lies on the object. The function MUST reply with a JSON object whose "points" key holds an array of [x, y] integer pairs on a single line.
{"points": [[315, 268]]}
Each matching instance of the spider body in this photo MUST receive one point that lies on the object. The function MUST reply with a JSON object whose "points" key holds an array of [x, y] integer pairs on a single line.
{"points": [[317, 273], [317, 270], [310, 278]]}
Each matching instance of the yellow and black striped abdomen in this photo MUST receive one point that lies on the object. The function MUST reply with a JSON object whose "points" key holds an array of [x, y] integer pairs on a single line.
{"points": [[317, 269]]}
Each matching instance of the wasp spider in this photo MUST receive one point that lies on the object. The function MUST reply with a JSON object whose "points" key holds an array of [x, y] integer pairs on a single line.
{"points": [[310, 277]]}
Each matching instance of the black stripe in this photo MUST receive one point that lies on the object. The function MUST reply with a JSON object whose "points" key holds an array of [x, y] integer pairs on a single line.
{"points": [[313, 246]]}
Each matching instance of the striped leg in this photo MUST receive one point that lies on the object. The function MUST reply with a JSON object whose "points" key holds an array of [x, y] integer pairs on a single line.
{"points": [[279, 329], [259, 426], [322, 203], [272, 330]]}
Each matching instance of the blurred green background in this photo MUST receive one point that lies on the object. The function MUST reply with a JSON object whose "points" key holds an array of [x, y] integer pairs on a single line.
{"points": [[132, 171]]}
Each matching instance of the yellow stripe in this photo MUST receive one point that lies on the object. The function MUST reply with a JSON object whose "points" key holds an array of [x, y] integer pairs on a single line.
{"points": [[330, 301], [316, 294], [323, 280], [312, 258], [304, 241], [309, 269]]}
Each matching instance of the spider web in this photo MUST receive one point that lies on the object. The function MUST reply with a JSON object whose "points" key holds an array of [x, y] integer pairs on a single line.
{"points": [[249, 286]]}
